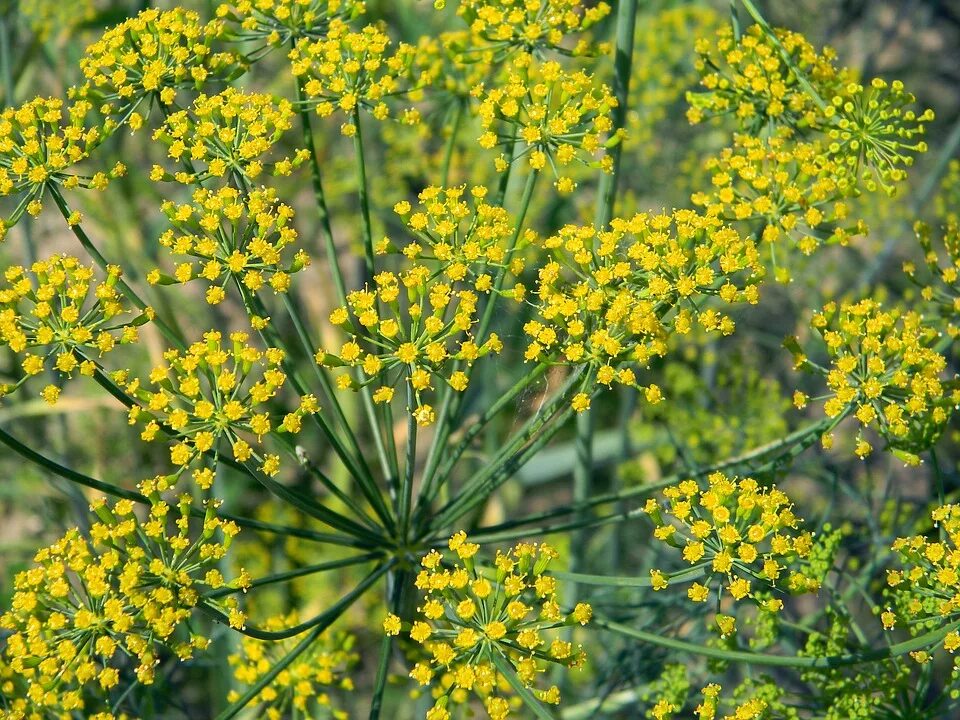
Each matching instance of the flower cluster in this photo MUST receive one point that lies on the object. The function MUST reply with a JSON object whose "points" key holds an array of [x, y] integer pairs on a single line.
{"points": [[470, 244], [93, 603], [874, 132], [884, 369], [484, 632], [40, 143], [736, 532], [278, 22], [417, 340], [505, 26], [231, 237], [229, 133], [941, 289], [57, 311], [154, 55], [210, 395], [926, 592], [302, 687], [625, 280], [792, 187], [756, 83], [352, 70], [783, 82], [560, 116]]}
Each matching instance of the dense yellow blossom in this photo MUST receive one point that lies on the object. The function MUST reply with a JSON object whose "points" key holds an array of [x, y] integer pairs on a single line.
{"points": [[41, 142], [884, 369], [122, 593], [349, 70], [474, 625], [559, 116], [215, 395], [468, 239], [531, 25], [739, 534], [607, 298], [229, 238], [409, 328], [154, 55], [56, 313], [925, 593], [226, 136], [941, 287]]}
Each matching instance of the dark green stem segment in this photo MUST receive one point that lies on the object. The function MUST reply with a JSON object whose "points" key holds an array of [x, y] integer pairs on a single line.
{"points": [[750, 658]]}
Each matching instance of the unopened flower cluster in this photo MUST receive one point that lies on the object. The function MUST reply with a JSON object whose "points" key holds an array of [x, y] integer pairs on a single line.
{"points": [[475, 626]]}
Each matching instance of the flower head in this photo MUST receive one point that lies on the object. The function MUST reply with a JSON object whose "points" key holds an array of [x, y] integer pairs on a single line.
{"points": [[124, 593], [228, 237], [58, 312], [739, 533], [211, 395], [227, 135], [472, 620], [154, 55], [278, 22]]}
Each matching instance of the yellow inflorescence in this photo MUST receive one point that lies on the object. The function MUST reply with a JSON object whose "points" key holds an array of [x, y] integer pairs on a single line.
{"points": [[885, 370], [738, 533], [228, 134], [752, 80], [531, 25], [791, 186], [559, 116], [41, 142], [415, 341], [278, 22], [612, 311], [93, 603], [926, 592], [469, 617], [229, 239], [154, 55], [941, 289], [213, 395], [305, 685], [57, 311], [349, 70], [468, 239]]}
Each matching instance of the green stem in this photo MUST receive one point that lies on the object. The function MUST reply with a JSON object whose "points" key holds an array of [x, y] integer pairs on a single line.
{"points": [[505, 669], [363, 195], [293, 574], [406, 487], [751, 658], [319, 196], [458, 111]]}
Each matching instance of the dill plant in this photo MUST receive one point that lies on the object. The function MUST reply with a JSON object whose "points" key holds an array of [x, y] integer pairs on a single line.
{"points": [[383, 280]]}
